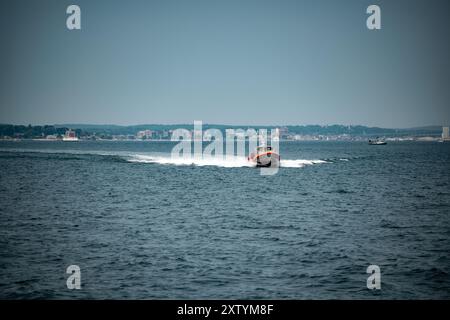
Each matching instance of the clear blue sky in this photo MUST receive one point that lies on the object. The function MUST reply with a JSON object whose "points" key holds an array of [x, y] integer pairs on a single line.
{"points": [[225, 61]]}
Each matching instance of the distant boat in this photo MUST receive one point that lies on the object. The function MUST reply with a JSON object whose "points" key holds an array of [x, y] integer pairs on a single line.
{"points": [[377, 142], [70, 136], [265, 157]]}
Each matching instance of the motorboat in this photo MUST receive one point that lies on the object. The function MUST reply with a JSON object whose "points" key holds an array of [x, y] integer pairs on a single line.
{"points": [[377, 142], [265, 156]]}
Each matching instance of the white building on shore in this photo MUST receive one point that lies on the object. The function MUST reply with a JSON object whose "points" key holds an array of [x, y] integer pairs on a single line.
{"points": [[145, 134], [445, 134]]}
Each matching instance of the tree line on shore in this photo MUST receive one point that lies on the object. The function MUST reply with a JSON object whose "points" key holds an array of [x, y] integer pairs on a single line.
{"points": [[107, 131], [29, 132]]}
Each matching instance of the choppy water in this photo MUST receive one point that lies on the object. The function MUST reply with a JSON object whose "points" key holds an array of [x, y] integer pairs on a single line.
{"points": [[141, 226]]}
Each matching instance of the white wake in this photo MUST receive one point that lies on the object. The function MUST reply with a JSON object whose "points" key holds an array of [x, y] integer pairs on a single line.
{"points": [[165, 159], [299, 163], [232, 162]]}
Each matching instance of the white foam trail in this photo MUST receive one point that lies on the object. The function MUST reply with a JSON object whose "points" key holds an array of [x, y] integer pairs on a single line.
{"points": [[235, 162], [299, 163]]}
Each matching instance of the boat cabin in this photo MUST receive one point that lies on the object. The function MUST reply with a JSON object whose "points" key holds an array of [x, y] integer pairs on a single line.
{"points": [[263, 149]]}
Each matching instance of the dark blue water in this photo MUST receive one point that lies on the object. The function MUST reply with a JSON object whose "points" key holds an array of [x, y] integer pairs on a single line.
{"points": [[142, 228]]}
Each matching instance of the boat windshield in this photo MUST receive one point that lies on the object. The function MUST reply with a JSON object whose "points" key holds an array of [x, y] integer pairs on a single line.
{"points": [[264, 149]]}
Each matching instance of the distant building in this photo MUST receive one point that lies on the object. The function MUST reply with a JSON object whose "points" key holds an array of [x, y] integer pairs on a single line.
{"points": [[445, 133], [166, 134], [70, 135], [145, 134]]}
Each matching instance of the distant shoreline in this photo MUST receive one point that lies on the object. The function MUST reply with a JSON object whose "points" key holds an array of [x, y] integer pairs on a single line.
{"points": [[359, 139], [164, 132]]}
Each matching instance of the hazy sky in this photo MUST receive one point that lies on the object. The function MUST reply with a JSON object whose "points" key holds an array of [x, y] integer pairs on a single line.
{"points": [[225, 61]]}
